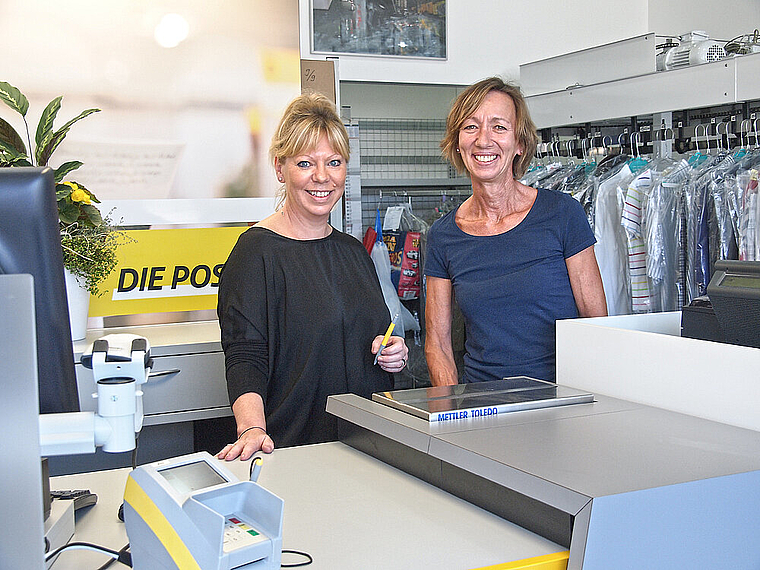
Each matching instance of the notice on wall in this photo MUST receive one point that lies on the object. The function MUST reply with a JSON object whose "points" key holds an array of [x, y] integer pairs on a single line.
{"points": [[123, 170]]}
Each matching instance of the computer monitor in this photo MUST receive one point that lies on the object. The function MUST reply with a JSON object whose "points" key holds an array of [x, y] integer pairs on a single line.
{"points": [[30, 243]]}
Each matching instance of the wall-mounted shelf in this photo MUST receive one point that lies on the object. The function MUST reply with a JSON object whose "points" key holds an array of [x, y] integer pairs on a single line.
{"points": [[733, 80]]}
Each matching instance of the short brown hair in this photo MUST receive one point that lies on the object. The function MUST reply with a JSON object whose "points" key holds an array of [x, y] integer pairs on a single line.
{"points": [[468, 101]]}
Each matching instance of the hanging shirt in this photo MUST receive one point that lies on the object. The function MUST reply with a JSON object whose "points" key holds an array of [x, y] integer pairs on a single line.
{"points": [[662, 235], [633, 213], [611, 248]]}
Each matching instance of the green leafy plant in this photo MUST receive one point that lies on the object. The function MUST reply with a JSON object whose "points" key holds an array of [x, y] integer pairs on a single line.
{"points": [[89, 240], [13, 152]]}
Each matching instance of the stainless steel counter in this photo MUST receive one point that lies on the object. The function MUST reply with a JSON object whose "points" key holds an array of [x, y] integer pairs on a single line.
{"points": [[623, 485]]}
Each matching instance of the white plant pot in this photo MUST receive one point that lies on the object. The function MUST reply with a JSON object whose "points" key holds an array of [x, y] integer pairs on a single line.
{"points": [[79, 305]]}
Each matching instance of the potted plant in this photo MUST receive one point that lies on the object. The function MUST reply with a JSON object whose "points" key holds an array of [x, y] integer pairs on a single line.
{"points": [[88, 239]]}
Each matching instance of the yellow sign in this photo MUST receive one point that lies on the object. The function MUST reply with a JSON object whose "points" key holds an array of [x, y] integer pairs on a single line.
{"points": [[166, 270], [280, 65]]}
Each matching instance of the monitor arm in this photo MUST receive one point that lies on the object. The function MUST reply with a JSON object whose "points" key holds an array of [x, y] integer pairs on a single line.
{"points": [[120, 365]]}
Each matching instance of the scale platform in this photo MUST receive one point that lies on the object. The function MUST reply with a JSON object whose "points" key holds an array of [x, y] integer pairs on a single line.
{"points": [[481, 399]]}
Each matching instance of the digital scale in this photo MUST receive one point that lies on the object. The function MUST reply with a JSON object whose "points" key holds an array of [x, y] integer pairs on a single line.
{"points": [[478, 400], [191, 512]]}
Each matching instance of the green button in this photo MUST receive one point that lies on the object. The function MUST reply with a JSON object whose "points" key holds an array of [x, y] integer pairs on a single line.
{"points": [[253, 532]]}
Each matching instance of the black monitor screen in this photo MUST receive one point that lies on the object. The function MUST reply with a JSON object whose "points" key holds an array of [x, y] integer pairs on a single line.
{"points": [[30, 243]]}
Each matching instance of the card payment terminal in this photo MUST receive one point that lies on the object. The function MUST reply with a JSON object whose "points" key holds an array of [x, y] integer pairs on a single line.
{"points": [[191, 512]]}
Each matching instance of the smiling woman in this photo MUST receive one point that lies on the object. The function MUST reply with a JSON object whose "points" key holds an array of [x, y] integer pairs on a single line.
{"points": [[314, 179], [516, 258], [300, 305]]}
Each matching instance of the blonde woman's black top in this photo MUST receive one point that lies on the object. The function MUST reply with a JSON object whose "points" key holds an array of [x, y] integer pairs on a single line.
{"points": [[298, 318]]}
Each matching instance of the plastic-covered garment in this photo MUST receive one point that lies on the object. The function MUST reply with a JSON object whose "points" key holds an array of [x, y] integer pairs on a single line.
{"points": [[632, 220], [673, 227], [735, 186], [411, 222], [536, 176], [382, 263], [651, 219], [406, 222], [611, 246], [727, 246], [585, 195], [748, 242], [729, 199], [702, 230], [662, 229], [570, 179], [586, 192]]}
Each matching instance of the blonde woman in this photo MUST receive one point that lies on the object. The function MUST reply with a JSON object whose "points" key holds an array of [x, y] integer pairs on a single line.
{"points": [[300, 307]]}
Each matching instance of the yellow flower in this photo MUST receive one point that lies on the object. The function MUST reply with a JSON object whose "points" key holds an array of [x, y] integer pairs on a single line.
{"points": [[80, 195]]}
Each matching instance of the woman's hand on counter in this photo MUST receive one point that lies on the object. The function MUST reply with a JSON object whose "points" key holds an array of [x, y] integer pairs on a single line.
{"points": [[251, 429], [247, 444]]}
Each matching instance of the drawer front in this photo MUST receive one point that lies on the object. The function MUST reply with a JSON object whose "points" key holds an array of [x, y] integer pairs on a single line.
{"points": [[190, 382]]}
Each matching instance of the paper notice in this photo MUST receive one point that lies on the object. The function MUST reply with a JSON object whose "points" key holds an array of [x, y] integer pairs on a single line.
{"points": [[123, 170]]}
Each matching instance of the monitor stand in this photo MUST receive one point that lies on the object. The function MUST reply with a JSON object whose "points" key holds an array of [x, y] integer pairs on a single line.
{"points": [[21, 535]]}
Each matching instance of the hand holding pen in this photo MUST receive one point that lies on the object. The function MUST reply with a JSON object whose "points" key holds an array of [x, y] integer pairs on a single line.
{"points": [[390, 352]]}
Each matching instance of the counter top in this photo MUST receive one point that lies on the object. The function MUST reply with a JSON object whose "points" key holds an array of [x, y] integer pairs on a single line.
{"points": [[613, 480], [172, 338], [346, 509]]}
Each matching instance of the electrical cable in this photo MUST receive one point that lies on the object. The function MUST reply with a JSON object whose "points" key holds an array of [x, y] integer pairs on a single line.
{"points": [[120, 512], [306, 555], [124, 553], [120, 555], [134, 451]]}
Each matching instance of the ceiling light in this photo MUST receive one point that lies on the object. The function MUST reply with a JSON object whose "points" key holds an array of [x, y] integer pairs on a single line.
{"points": [[171, 30]]}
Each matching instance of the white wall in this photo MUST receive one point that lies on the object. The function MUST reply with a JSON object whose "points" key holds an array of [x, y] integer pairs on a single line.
{"points": [[487, 37], [723, 20]]}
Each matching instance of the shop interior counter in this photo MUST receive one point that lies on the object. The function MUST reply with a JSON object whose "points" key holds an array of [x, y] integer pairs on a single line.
{"points": [[348, 511], [621, 484]]}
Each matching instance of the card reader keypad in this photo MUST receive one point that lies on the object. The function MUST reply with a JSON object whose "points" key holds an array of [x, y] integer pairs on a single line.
{"points": [[238, 533]]}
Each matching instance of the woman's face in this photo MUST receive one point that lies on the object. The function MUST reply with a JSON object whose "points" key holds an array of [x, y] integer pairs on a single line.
{"points": [[314, 180], [487, 140]]}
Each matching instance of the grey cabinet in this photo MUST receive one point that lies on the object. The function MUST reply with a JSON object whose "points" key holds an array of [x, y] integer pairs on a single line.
{"points": [[188, 384], [187, 380]]}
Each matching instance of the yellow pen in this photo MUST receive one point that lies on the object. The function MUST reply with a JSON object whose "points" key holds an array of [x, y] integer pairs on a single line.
{"points": [[386, 337]]}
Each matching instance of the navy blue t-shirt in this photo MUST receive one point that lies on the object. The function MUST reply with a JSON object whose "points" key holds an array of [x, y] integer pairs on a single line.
{"points": [[512, 287]]}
